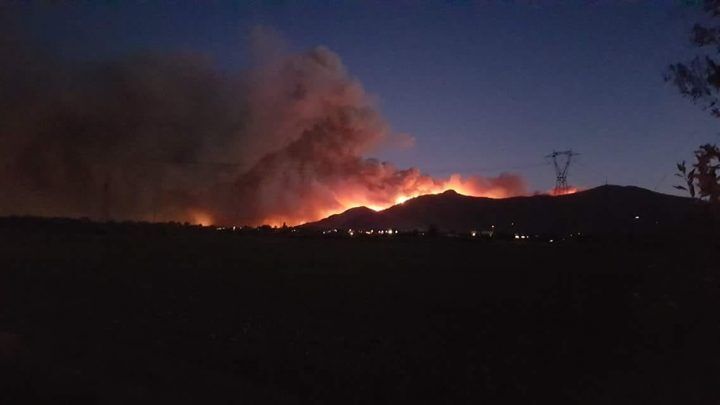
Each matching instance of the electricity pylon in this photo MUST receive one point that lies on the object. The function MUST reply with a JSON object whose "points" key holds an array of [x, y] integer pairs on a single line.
{"points": [[561, 161]]}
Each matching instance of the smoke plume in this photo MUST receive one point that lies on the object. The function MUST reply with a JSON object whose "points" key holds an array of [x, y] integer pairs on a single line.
{"points": [[170, 137]]}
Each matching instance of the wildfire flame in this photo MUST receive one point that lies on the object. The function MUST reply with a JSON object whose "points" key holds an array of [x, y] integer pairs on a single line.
{"points": [[202, 218], [347, 199], [569, 190]]}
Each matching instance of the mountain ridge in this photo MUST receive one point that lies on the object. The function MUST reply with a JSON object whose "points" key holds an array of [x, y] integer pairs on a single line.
{"points": [[603, 209]]}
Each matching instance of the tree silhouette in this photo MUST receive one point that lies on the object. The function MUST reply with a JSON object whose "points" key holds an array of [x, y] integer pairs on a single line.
{"points": [[699, 80], [704, 174]]}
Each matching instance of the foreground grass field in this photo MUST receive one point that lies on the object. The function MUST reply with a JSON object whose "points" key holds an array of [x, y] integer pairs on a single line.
{"points": [[127, 315]]}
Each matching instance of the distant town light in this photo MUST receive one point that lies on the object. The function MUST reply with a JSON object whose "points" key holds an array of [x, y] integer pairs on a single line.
{"points": [[473, 233]]}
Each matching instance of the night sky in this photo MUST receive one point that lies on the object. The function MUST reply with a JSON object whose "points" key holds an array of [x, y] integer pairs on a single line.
{"points": [[483, 87]]}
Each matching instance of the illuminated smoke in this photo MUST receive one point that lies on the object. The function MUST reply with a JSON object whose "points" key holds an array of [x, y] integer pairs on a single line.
{"points": [[160, 137]]}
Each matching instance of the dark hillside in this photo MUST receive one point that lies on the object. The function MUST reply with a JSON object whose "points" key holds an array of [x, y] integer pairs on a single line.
{"points": [[602, 210]]}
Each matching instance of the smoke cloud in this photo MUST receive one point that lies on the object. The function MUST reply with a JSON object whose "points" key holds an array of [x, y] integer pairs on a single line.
{"points": [[170, 137]]}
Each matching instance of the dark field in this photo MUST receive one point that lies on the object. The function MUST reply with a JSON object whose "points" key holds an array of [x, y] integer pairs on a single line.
{"points": [[127, 315]]}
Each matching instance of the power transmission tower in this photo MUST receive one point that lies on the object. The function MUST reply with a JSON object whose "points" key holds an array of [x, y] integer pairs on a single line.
{"points": [[561, 161]]}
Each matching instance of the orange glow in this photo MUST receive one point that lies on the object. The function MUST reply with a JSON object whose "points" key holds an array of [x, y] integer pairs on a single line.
{"points": [[351, 197], [569, 190], [200, 218]]}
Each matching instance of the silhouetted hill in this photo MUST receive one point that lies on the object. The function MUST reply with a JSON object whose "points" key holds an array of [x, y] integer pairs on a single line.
{"points": [[605, 209], [351, 216]]}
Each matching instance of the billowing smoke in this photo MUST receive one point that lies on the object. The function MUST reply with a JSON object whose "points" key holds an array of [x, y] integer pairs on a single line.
{"points": [[170, 137]]}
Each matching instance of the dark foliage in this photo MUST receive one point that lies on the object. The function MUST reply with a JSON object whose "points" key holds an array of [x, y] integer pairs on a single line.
{"points": [[699, 78], [702, 180], [145, 314]]}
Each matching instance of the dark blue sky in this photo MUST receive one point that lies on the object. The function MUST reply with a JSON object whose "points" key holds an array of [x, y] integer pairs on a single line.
{"points": [[483, 86]]}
